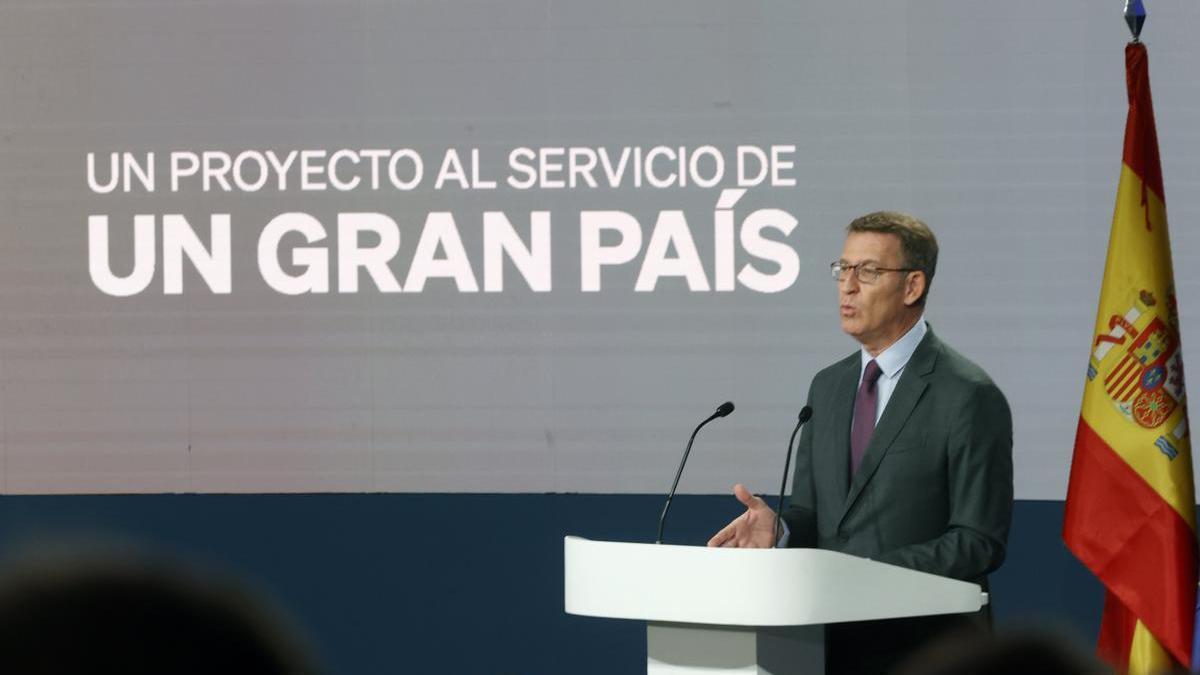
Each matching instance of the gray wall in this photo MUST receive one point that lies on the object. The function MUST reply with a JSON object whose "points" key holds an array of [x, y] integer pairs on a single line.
{"points": [[999, 124]]}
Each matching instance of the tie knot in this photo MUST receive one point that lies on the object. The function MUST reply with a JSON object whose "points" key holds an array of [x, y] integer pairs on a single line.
{"points": [[871, 373]]}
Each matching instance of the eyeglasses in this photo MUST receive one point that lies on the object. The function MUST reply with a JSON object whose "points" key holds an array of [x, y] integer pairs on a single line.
{"points": [[865, 272]]}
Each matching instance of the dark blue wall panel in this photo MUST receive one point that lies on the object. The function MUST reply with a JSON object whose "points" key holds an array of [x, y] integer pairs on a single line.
{"points": [[383, 583]]}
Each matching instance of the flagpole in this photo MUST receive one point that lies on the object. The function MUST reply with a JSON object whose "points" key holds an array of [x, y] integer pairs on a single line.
{"points": [[1135, 17], [1130, 514]]}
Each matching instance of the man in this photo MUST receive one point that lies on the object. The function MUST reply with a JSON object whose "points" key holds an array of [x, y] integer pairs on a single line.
{"points": [[908, 456]]}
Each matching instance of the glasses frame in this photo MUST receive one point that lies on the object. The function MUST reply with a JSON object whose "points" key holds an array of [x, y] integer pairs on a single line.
{"points": [[837, 267]]}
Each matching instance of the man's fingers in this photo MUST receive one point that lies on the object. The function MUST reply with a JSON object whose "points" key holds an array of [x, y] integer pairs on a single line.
{"points": [[739, 534], [726, 534], [747, 498], [744, 496]]}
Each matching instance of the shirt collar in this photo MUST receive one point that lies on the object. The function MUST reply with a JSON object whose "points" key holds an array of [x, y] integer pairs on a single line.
{"points": [[893, 359]]}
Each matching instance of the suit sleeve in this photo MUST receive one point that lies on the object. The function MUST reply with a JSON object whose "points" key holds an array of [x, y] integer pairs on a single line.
{"points": [[980, 490], [801, 512]]}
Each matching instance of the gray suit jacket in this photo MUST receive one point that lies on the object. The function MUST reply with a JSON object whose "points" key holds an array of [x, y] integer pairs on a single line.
{"points": [[935, 489]]}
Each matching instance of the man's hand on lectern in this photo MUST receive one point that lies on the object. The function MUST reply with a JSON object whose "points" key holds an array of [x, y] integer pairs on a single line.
{"points": [[753, 529]]}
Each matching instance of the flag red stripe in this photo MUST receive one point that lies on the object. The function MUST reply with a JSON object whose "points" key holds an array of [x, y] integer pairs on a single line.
{"points": [[1141, 139], [1133, 368], [1121, 370], [1128, 388], [1128, 383], [1133, 540], [1116, 632], [1130, 375], [1117, 386]]}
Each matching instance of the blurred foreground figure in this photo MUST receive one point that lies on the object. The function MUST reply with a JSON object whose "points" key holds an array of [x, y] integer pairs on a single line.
{"points": [[135, 619], [977, 654]]}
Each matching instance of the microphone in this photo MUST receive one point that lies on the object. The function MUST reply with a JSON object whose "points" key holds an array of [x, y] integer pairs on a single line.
{"points": [[805, 415], [724, 409]]}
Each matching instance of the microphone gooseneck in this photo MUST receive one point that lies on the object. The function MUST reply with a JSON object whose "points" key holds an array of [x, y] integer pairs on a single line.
{"points": [[805, 415], [722, 411]]}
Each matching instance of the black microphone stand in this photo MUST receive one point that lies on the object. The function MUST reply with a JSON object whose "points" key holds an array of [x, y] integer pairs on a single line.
{"points": [[725, 409], [805, 415]]}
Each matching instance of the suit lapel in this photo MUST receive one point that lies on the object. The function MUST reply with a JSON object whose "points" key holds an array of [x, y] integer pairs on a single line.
{"points": [[912, 384], [843, 413]]}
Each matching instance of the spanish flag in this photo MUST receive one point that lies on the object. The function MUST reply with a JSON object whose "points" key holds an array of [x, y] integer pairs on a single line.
{"points": [[1130, 514]]}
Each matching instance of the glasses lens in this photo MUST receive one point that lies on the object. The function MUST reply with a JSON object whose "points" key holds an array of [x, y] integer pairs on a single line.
{"points": [[835, 270], [868, 273]]}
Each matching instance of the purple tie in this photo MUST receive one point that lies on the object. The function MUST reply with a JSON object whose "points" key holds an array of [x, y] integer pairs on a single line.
{"points": [[864, 415]]}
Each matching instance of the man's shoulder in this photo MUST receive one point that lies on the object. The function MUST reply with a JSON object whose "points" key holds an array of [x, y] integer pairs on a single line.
{"points": [[831, 373], [953, 369], [952, 363]]}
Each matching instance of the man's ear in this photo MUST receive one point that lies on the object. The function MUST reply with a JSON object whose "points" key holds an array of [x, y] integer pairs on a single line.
{"points": [[914, 287]]}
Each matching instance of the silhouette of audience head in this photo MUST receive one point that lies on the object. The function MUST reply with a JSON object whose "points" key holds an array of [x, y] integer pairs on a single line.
{"points": [[977, 654], [137, 618]]}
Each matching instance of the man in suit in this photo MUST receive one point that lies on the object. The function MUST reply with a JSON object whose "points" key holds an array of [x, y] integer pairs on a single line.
{"points": [[908, 456]]}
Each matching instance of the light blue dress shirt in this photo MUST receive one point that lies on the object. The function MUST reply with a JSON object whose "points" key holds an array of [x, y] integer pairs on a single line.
{"points": [[891, 362]]}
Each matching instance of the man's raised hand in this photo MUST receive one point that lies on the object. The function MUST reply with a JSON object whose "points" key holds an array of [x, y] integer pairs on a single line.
{"points": [[753, 529]]}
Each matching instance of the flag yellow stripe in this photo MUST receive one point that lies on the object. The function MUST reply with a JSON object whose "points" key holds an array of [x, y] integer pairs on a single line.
{"points": [[1139, 262]]}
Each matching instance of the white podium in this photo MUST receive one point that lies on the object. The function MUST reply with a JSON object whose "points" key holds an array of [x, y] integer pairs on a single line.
{"points": [[751, 611]]}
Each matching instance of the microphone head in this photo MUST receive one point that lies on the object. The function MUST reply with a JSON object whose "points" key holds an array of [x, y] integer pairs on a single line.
{"points": [[725, 409], [805, 414]]}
